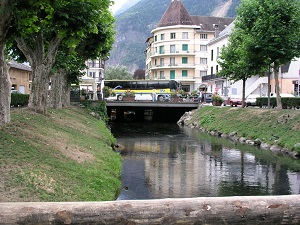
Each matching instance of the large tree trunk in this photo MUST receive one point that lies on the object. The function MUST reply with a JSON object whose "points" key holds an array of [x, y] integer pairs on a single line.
{"points": [[41, 64], [5, 87], [5, 84], [276, 76], [60, 90], [66, 95]]}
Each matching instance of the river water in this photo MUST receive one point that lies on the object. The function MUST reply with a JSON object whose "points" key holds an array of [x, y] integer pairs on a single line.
{"points": [[170, 161]]}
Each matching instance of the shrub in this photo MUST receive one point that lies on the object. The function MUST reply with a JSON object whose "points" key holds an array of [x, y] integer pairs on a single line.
{"points": [[287, 102], [19, 99]]}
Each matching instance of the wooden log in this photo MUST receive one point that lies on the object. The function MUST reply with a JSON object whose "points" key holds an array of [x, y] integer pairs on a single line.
{"points": [[215, 210]]}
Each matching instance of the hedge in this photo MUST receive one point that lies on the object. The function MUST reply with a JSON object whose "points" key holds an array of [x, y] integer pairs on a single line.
{"points": [[19, 99], [287, 102]]}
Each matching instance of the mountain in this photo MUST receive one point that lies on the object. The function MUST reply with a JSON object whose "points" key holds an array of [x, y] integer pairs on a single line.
{"points": [[126, 6], [134, 26]]}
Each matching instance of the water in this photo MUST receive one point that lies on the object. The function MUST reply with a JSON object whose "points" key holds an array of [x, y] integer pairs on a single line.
{"points": [[169, 161]]}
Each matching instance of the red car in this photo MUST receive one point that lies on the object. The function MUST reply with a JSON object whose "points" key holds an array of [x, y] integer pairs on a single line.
{"points": [[235, 100]]}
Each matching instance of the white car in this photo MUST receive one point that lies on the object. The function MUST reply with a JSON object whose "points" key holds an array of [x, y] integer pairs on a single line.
{"points": [[251, 100]]}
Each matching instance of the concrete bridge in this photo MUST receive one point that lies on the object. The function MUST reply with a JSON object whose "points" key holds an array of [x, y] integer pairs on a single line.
{"points": [[156, 111], [205, 210]]}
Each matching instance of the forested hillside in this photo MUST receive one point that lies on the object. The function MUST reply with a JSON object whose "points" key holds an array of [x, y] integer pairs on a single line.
{"points": [[135, 24]]}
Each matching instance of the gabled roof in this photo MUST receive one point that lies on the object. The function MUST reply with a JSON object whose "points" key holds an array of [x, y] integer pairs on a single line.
{"points": [[19, 66], [207, 23], [176, 14]]}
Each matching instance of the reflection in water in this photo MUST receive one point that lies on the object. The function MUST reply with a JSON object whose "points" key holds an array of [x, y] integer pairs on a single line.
{"points": [[168, 161]]}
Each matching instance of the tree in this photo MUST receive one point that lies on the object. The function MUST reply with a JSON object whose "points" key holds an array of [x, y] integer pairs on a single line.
{"points": [[117, 73], [139, 74], [6, 10], [236, 60], [272, 29], [39, 27], [70, 62]]}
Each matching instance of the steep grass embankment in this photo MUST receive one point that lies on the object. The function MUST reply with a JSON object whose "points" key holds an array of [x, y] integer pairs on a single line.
{"points": [[64, 156], [273, 127]]}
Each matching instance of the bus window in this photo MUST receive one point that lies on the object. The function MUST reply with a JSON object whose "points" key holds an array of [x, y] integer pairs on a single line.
{"points": [[141, 85]]}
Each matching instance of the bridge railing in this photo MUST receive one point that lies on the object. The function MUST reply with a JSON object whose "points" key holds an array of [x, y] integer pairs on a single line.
{"points": [[215, 210]]}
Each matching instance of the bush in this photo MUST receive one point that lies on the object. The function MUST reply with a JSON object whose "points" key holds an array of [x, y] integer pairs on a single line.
{"points": [[287, 102], [19, 99]]}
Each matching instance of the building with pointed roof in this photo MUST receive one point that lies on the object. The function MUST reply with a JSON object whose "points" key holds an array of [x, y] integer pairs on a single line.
{"points": [[178, 47]]}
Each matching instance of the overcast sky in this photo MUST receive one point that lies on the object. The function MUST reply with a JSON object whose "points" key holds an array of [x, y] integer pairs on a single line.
{"points": [[117, 5]]}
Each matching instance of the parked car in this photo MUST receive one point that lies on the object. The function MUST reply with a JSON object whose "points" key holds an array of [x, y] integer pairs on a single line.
{"points": [[235, 100], [251, 100], [15, 92], [207, 97]]}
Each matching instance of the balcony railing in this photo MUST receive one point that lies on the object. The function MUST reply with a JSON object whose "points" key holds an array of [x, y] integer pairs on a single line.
{"points": [[212, 77]]}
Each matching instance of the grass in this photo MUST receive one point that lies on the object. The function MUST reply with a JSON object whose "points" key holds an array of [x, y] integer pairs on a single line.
{"points": [[64, 156], [280, 127]]}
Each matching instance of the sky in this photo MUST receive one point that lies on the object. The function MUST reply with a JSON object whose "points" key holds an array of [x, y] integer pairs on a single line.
{"points": [[118, 4]]}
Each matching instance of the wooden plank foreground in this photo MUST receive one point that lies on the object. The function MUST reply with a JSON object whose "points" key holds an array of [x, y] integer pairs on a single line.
{"points": [[213, 210]]}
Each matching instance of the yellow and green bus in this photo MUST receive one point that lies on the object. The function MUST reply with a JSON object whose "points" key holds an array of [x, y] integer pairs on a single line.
{"points": [[153, 90]]}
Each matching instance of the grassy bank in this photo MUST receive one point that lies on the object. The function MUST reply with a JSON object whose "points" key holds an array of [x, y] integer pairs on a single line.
{"points": [[280, 127], [64, 156]]}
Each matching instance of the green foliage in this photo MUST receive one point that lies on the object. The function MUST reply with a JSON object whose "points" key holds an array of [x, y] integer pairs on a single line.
{"points": [[217, 98], [269, 125], [66, 156], [128, 93], [99, 110], [206, 119], [19, 99], [117, 73], [287, 102]]}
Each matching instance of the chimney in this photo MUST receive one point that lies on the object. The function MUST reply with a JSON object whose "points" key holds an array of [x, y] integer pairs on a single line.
{"points": [[216, 26]]}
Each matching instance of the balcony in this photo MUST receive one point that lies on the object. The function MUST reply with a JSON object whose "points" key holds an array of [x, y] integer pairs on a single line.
{"points": [[212, 78], [177, 52], [174, 66]]}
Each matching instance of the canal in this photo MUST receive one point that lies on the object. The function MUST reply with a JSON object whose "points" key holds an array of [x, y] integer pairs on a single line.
{"points": [[164, 160]]}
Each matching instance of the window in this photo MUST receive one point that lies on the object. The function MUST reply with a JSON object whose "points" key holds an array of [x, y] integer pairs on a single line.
{"points": [[161, 75], [172, 61], [185, 35], [155, 38], [184, 73], [211, 70], [172, 36], [162, 62], [162, 37], [203, 36], [203, 61], [218, 52], [161, 50], [92, 74], [155, 74], [172, 49], [203, 48], [155, 62], [184, 60], [203, 73], [217, 68], [212, 55], [156, 50], [185, 47], [172, 74]]}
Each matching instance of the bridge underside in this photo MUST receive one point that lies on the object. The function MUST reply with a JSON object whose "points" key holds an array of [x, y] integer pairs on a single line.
{"points": [[156, 112]]}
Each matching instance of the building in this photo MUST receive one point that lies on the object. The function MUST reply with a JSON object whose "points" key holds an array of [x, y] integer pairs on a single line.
{"points": [[255, 85], [178, 48], [91, 82], [20, 77]]}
